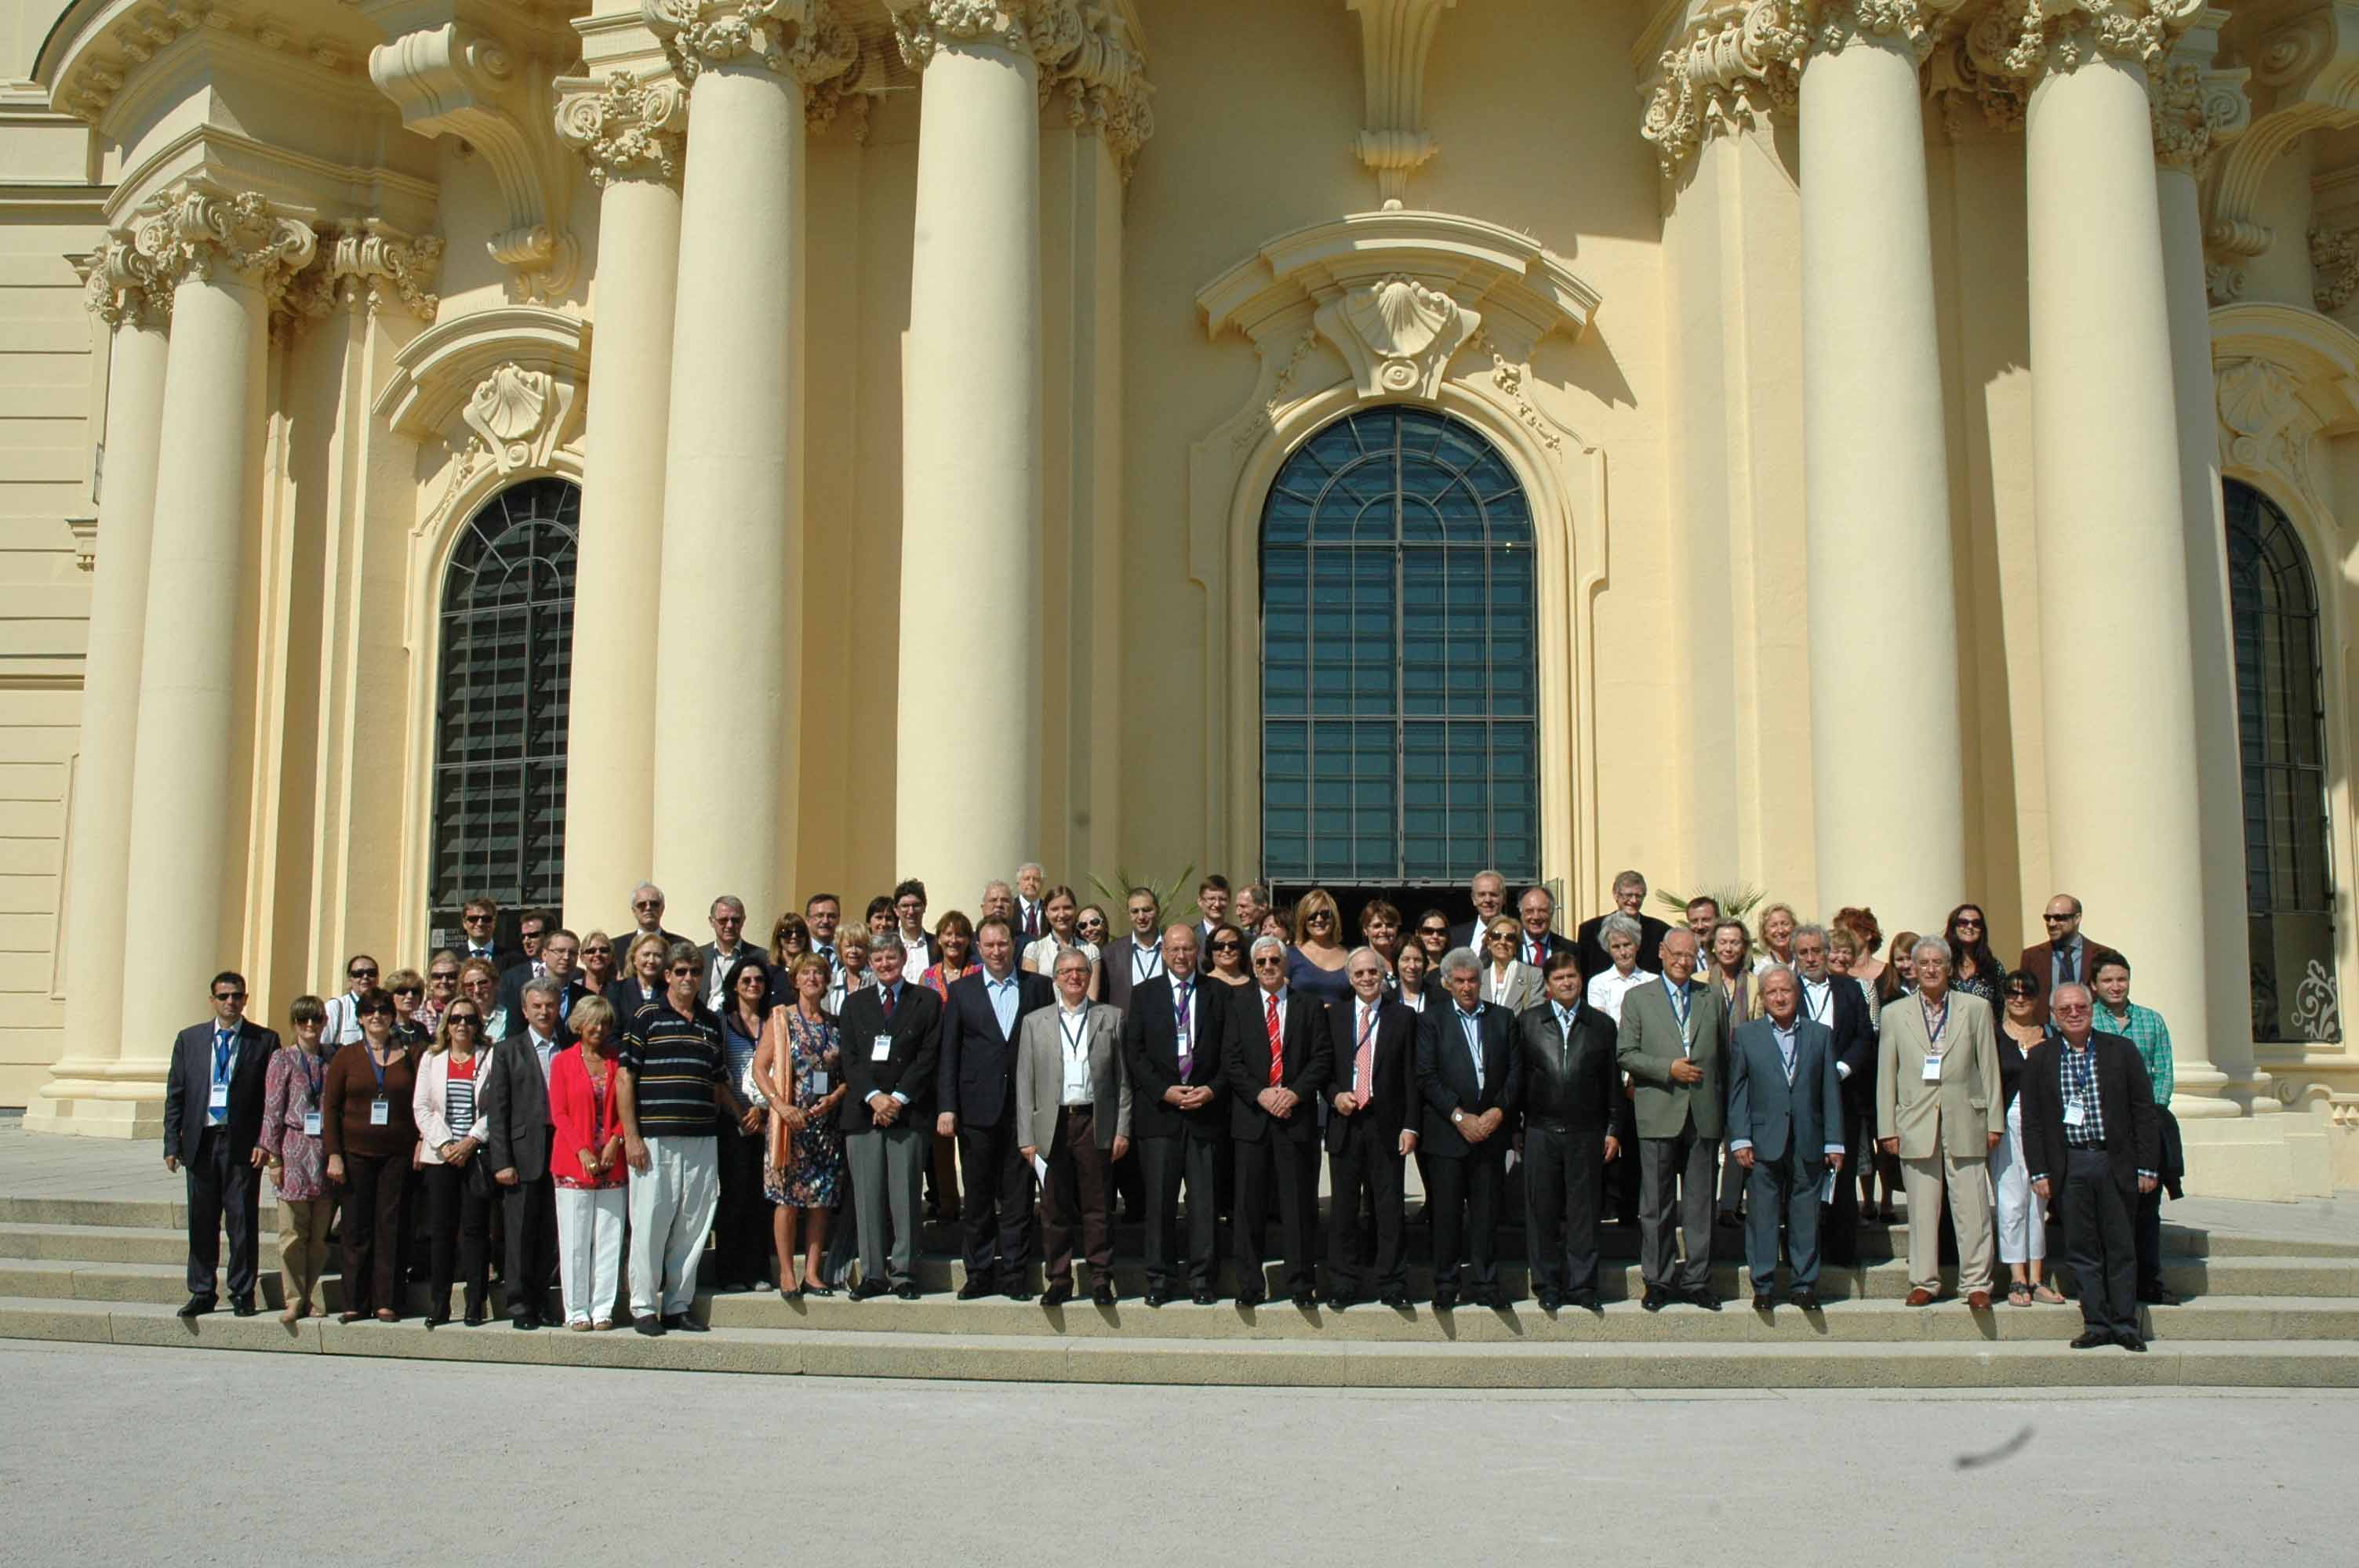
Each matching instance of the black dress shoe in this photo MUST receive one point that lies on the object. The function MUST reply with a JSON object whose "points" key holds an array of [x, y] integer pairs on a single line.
{"points": [[974, 1290], [1586, 1301], [1017, 1294], [651, 1327], [1156, 1296], [2157, 1296], [2129, 1340], [1805, 1298], [1248, 1301], [1205, 1298], [1764, 1302], [1305, 1301], [1701, 1296], [869, 1290], [1657, 1298], [1445, 1300], [1339, 1301], [1398, 1300], [1056, 1296], [1551, 1300], [1728, 1221], [524, 1321], [907, 1290], [2091, 1339], [438, 1319], [1102, 1292], [198, 1306], [242, 1306], [687, 1324]]}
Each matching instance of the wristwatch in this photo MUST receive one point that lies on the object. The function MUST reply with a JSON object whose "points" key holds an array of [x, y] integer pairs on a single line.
{"points": [[1459, 1115]]}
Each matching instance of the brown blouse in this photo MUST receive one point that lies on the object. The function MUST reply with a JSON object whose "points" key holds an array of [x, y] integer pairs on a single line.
{"points": [[345, 1098]]}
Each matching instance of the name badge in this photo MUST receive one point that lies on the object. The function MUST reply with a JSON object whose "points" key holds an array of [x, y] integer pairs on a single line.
{"points": [[380, 1113], [883, 1050], [220, 1096], [1932, 1070], [818, 1082], [2074, 1113], [310, 1124]]}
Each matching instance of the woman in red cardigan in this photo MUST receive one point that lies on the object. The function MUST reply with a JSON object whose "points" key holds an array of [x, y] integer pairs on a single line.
{"points": [[585, 1157]]}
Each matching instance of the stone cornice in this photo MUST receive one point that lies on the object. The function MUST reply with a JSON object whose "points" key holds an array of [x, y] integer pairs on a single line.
{"points": [[123, 285], [194, 231], [2305, 77], [100, 46], [625, 126]]}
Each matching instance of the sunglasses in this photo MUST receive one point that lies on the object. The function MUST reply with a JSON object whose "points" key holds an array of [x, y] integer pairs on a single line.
{"points": [[601, 952], [2058, 919], [360, 974], [1433, 931], [229, 996], [1966, 924], [462, 1020], [2024, 992], [1228, 946], [474, 920], [372, 1011]]}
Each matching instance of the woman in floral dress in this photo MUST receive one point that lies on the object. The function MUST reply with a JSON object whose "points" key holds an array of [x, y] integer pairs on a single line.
{"points": [[797, 1069], [290, 1145]]}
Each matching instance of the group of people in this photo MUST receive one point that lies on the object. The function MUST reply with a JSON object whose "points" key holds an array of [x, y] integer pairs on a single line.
{"points": [[585, 1095]]}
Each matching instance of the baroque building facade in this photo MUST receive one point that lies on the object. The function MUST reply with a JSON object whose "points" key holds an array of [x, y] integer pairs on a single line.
{"points": [[1877, 451]]}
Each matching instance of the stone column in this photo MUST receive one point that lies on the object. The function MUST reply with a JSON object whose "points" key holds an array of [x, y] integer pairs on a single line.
{"points": [[1889, 796], [229, 256], [729, 622], [2122, 753], [966, 790], [630, 131], [125, 293]]}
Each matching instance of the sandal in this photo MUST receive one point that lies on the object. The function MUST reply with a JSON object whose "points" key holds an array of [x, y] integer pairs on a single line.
{"points": [[2044, 1292], [2019, 1294]]}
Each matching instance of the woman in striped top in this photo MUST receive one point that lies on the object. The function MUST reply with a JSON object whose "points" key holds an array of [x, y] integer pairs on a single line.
{"points": [[458, 1188]]}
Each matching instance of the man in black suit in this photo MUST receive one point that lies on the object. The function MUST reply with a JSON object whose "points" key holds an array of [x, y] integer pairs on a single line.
{"points": [[213, 1125], [1630, 898], [1213, 898], [1838, 1002], [891, 1032], [1277, 1063], [2091, 1145], [1489, 891], [558, 953], [647, 920], [1536, 912], [974, 1086], [512, 1116], [1138, 957], [1570, 1098], [1372, 1091], [533, 927], [1466, 1067], [479, 921], [1172, 1042]]}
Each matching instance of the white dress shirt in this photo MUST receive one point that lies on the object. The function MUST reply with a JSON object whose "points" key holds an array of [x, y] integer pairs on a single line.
{"points": [[1607, 989]]}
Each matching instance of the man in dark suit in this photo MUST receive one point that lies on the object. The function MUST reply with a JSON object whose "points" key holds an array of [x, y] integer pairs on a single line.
{"points": [[2068, 956], [647, 920], [1213, 898], [533, 928], [479, 923], [212, 1126], [1569, 1086], [1839, 1004], [1630, 898], [1172, 1042], [728, 918], [1536, 912], [1277, 1063], [1785, 1130], [1138, 957], [1489, 891], [1372, 1091], [1466, 1070], [512, 1115], [974, 1088], [2091, 1145], [558, 953], [891, 1032]]}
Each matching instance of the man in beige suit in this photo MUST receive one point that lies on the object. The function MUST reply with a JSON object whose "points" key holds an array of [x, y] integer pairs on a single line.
{"points": [[1072, 1115], [1674, 1045], [1939, 1108]]}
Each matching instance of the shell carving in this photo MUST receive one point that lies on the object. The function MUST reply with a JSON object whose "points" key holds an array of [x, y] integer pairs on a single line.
{"points": [[1400, 318], [508, 409]]}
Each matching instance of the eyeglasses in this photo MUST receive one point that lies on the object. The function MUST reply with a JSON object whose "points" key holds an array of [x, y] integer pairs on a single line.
{"points": [[2025, 991], [1433, 931], [600, 951], [400, 991], [360, 974], [474, 920], [1968, 922], [1318, 917], [462, 1021], [1228, 946], [687, 969], [229, 996], [445, 976], [646, 903], [2058, 919], [371, 1011]]}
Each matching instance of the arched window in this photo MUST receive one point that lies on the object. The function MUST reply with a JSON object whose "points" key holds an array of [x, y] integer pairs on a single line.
{"points": [[1400, 729], [499, 749], [2280, 716]]}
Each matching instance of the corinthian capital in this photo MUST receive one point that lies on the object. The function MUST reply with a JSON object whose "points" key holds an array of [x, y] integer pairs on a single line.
{"points": [[2064, 35], [195, 231], [1048, 30], [1106, 90], [1917, 25], [1729, 74], [122, 285], [804, 37], [625, 127]]}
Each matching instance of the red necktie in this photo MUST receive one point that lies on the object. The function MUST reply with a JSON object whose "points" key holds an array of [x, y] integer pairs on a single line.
{"points": [[1538, 957], [888, 1000], [1276, 1047], [1363, 1060]]}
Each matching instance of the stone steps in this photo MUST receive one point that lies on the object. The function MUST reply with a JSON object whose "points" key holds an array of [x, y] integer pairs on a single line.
{"points": [[1321, 1362]]}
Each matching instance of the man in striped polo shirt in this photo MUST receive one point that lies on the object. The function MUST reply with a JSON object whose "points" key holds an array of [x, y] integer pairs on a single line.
{"points": [[673, 1078]]}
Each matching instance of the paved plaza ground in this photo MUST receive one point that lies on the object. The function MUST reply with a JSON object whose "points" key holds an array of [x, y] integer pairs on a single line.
{"points": [[128, 1455]]}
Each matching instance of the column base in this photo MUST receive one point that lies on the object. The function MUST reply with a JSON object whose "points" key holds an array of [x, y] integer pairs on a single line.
{"points": [[100, 1099], [2276, 1159]]}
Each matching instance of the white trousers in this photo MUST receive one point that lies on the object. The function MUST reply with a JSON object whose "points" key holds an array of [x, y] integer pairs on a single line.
{"points": [[672, 1202], [2022, 1228], [589, 1250]]}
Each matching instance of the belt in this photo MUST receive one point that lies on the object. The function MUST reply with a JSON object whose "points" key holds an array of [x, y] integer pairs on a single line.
{"points": [[1082, 1109]]}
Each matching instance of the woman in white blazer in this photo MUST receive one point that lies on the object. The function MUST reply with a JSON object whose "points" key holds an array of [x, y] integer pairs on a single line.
{"points": [[1507, 981], [458, 1187]]}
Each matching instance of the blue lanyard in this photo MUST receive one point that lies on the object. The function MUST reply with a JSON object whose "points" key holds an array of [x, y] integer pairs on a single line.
{"points": [[1076, 1040], [314, 1072], [374, 1066], [1367, 1024], [1932, 1030]]}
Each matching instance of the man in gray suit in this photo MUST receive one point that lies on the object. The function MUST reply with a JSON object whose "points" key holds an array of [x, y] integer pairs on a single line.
{"points": [[1785, 1128], [1073, 1113], [512, 1114], [1673, 1041], [1941, 1107]]}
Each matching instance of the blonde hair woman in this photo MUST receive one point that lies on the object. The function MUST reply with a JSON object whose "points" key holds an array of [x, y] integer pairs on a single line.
{"points": [[1316, 960], [797, 1071], [458, 1188]]}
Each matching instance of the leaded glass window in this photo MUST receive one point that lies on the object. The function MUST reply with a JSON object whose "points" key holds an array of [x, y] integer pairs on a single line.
{"points": [[1400, 728], [499, 749], [2281, 724]]}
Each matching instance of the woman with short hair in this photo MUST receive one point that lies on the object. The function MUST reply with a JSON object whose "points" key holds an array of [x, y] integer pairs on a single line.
{"points": [[587, 1165], [1224, 955], [1507, 981], [368, 1129], [292, 1154], [598, 962], [2022, 1224]]}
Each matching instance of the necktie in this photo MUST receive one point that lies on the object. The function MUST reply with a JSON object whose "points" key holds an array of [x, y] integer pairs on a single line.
{"points": [[1537, 957], [888, 1000], [1363, 1060], [2070, 966], [1277, 1046], [223, 1043]]}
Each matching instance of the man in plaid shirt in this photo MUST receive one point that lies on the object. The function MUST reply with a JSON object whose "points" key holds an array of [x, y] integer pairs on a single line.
{"points": [[2090, 1147], [2143, 1027]]}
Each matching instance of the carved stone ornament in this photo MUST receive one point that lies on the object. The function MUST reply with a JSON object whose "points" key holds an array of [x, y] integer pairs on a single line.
{"points": [[374, 266], [517, 414], [2194, 111], [804, 37], [2063, 35], [1968, 78], [123, 285], [192, 231], [1398, 335], [2264, 425], [1105, 87], [1394, 38], [2305, 77], [624, 126], [1048, 30], [2334, 258], [1731, 73]]}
